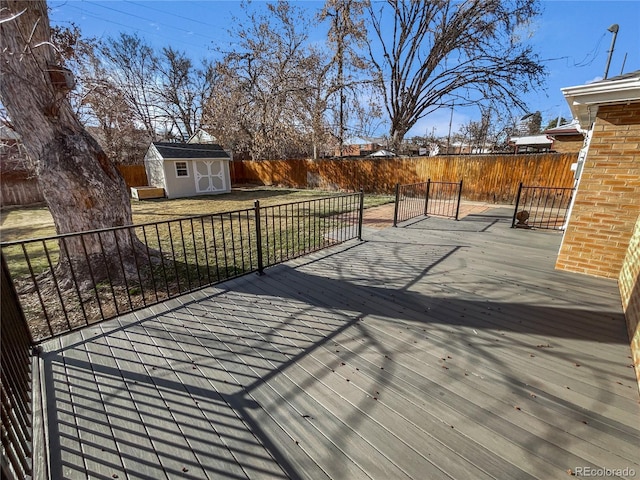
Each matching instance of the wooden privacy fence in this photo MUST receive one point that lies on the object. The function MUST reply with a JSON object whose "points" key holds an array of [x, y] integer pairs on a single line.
{"points": [[134, 175], [21, 187], [487, 178]]}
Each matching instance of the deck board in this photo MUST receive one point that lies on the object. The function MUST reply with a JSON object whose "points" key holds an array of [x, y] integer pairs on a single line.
{"points": [[441, 349]]}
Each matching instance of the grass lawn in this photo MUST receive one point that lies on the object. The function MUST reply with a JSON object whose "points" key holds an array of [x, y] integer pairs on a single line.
{"points": [[20, 223], [195, 252]]}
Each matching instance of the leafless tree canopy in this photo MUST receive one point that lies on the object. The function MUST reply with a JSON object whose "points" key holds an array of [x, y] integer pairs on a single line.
{"points": [[255, 104], [82, 187], [273, 93], [436, 53]]}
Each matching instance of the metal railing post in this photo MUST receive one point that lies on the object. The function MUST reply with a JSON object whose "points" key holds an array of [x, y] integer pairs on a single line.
{"points": [[395, 211], [459, 198], [16, 352], [256, 206], [515, 212], [426, 198], [361, 214]]}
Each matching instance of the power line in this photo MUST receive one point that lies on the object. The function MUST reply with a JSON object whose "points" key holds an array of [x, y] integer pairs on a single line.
{"points": [[169, 13], [130, 27], [190, 32]]}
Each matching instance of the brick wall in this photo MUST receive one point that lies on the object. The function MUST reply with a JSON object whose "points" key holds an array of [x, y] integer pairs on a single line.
{"points": [[567, 143], [629, 283], [608, 199]]}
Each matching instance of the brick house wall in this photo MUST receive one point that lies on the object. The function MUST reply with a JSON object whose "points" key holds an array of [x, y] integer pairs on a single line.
{"points": [[567, 143], [629, 283], [607, 202]]}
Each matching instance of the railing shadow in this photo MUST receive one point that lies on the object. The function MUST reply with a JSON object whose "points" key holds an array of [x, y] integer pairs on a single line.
{"points": [[265, 375]]}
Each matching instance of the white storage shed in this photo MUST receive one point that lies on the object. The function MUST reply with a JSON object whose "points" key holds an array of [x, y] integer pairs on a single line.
{"points": [[188, 169]]}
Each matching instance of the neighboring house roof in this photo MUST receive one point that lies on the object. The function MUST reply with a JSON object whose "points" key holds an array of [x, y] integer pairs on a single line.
{"points": [[584, 100], [356, 141], [202, 136], [364, 141], [532, 140], [571, 128], [179, 151], [383, 153]]}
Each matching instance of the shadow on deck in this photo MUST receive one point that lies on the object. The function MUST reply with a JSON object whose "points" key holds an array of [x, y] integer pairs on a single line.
{"points": [[440, 350]]}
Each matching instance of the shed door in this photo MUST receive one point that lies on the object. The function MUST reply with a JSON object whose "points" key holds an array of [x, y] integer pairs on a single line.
{"points": [[209, 175]]}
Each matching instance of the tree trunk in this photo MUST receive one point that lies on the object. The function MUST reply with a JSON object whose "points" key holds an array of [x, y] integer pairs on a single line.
{"points": [[82, 188], [396, 136]]}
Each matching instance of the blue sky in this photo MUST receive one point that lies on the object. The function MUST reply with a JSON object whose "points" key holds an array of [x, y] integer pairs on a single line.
{"points": [[571, 38]]}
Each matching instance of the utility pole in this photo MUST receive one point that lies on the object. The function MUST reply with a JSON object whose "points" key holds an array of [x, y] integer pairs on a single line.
{"points": [[449, 137]]}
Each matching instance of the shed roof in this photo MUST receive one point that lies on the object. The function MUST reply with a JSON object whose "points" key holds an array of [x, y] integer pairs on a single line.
{"points": [[190, 150]]}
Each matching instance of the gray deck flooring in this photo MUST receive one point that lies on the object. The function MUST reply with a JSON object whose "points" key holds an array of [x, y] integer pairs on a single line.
{"points": [[438, 350]]}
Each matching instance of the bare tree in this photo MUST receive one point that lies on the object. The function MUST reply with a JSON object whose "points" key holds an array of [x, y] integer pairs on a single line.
{"points": [[181, 91], [533, 123], [264, 77], [438, 52], [554, 123], [133, 71], [82, 188], [347, 33]]}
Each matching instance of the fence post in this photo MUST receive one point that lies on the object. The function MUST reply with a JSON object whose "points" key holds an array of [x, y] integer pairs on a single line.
{"points": [[426, 198], [256, 206], [459, 198], [395, 211], [361, 214], [515, 212]]}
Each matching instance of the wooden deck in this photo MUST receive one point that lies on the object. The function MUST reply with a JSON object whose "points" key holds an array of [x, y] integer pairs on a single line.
{"points": [[438, 350]]}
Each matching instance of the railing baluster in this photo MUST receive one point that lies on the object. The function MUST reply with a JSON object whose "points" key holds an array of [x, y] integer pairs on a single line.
{"points": [[459, 200], [124, 273], [91, 275], [113, 293], [215, 248], [290, 230], [164, 268], [184, 256], [150, 262], [258, 236], [206, 249], [547, 206], [173, 256], [37, 288], [195, 252], [515, 211], [75, 281], [224, 247], [55, 280]]}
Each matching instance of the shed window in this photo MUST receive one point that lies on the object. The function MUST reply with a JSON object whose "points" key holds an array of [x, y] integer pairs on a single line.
{"points": [[181, 169]]}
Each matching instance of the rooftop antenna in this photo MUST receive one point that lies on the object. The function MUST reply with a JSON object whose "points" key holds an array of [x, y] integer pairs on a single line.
{"points": [[624, 60], [613, 29]]}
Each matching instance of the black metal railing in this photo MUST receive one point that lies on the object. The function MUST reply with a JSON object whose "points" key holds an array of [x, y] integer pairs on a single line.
{"points": [[441, 199], [66, 282], [15, 351], [542, 207]]}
